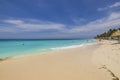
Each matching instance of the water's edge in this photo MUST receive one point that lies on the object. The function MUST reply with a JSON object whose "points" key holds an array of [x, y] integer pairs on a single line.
{"points": [[50, 49]]}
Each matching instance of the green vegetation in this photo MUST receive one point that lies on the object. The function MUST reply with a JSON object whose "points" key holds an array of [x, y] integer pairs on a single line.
{"points": [[107, 34]]}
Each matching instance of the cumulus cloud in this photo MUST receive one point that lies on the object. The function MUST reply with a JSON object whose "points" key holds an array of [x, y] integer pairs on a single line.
{"points": [[115, 5]]}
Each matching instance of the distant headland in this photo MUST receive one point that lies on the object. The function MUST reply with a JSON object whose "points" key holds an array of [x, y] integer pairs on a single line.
{"points": [[110, 34]]}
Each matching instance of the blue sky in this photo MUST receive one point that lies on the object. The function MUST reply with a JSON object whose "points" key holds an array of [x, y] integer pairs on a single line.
{"points": [[57, 18]]}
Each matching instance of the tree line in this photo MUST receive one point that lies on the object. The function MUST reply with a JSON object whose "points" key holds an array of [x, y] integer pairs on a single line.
{"points": [[107, 34]]}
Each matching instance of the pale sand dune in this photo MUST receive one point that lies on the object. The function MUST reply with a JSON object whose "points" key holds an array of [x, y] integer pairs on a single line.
{"points": [[70, 64]]}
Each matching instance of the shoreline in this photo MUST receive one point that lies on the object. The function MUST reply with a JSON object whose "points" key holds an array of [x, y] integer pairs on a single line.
{"points": [[50, 50], [21, 48], [81, 63]]}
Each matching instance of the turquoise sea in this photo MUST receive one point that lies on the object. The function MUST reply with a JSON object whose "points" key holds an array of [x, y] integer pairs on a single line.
{"points": [[13, 48]]}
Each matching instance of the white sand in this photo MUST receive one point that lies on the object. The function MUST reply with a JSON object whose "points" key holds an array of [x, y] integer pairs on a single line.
{"points": [[108, 54], [71, 64]]}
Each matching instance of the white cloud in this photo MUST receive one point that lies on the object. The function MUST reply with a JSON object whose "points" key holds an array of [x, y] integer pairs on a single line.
{"points": [[102, 9], [93, 27], [14, 21], [115, 5], [33, 25], [114, 16], [9, 30], [112, 21], [79, 20]]}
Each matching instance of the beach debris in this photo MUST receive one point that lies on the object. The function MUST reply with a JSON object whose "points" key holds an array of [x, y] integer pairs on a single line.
{"points": [[114, 77], [2, 59]]}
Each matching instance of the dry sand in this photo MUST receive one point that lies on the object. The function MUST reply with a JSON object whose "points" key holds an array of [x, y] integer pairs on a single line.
{"points": [[82, 63], [108, 55]]}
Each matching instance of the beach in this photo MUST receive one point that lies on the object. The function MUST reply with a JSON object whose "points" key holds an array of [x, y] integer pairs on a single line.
{"points": [[90, 62]]}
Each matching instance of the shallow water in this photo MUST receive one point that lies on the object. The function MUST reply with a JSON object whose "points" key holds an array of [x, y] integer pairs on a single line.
{"points": [[11, 48]]}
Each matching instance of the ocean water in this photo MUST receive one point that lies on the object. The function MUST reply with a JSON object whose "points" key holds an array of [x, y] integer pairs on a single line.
{"points": [[13, 48]]}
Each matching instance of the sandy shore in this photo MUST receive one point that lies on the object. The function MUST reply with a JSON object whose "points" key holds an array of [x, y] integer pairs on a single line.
{"points": [[107, 56], [92, 62]]}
